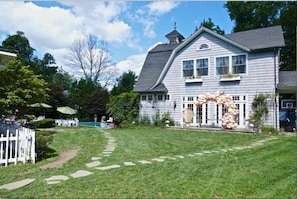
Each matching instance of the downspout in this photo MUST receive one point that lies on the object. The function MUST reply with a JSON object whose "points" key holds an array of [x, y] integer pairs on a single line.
{"points": [[276, 52]]}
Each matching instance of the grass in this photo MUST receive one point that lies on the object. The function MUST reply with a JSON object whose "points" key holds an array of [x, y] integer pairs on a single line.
{"points": [[266, 171]]}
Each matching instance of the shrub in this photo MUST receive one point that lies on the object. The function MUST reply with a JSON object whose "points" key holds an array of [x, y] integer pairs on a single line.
{"points": [[43, 139], [269, 130], [166, 116], [45, 123], [145, 120]]}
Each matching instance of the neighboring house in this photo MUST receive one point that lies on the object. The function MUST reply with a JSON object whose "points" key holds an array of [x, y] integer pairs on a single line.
{"points": [[242, 65], [5, 56]]}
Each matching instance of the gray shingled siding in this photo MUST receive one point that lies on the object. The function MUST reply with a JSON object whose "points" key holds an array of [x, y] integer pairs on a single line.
{"points": [[259, 76]]}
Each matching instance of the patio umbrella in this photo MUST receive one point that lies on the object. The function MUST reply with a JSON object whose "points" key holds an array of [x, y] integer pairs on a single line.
{"points": [[66, 110], [41, 105]]}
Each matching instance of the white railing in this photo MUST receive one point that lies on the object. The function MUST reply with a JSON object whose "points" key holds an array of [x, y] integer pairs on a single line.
{"points": [[17, 145]]}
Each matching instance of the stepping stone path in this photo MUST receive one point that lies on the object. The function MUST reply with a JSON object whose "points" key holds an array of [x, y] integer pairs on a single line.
{"points": [[111, 145]]}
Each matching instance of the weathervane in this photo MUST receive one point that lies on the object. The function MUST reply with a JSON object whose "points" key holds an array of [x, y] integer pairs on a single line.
{"points": [[174, 25]]}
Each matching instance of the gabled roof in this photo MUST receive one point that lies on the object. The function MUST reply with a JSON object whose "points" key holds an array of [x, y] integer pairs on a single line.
{"points": [[160, 58], [153, 65], [174, 33], [259, 39]]}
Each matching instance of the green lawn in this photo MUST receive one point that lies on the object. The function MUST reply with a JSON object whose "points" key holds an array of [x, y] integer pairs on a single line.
{"points": [[265, 171]]}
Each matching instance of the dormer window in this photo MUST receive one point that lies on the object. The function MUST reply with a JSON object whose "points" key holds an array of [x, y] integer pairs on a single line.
{"points": [[203, 47]]}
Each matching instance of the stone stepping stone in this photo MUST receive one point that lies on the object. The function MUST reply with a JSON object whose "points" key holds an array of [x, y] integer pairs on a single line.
{"points": [[106, 152], [198, 153], [158, 159], [165, 157], [108, 167], [144, 162], [129, 164], [191, 155], [18, 184], [224, 150], [215, 151], [81, 173], [238, 148], [106, 155], [93, 164], [179, 156], [206, 152], [56, 179], [95, 158]]}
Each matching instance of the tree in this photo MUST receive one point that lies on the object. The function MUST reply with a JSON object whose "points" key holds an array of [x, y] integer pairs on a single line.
{"points": [[124, 108], [45, 67], [21, 45], [94, 59], [125, 83], [19, 87], [79, 91], [95, 103], [210, 25], [259, 14], [249, 15]]}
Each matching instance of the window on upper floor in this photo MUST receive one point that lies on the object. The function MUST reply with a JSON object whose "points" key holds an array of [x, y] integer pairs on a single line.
{"points": [[203, 47], [235, 64], [222, 65], [238, 64], [201, 67], [188, 68]]}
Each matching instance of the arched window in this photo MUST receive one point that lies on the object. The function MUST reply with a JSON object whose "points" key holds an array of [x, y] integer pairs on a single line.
{"points": [[203, 47]]}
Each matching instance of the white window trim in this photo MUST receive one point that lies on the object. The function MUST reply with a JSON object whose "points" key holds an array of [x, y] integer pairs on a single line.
{"points": [[230, 63], [196, 78], [198, 48], [195, 65]]}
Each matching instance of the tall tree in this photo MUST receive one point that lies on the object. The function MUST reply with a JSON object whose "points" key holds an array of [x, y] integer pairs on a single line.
{"points": [[210, 25], [125, 83], [19, 87], [93, 58], [259, 14], [21, 45], [80, 90], [95, 103]]}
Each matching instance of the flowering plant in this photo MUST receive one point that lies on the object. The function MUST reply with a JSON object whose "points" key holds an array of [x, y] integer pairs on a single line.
{"points": [[230, 118]]}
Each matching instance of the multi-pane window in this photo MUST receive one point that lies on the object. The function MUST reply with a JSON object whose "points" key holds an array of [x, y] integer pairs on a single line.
{"points": [[222, 65], [238, 64], [202, 67], [167, 97], [143, 97], [149, 97], [160, 97], [188, 68]]}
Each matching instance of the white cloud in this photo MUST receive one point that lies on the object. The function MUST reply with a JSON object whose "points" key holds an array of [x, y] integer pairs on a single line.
{"points": [[149, 15], [133, 63], [161, 7], [53, 29]]}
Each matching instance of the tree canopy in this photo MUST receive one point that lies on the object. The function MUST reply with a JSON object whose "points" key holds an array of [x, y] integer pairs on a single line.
{"points": [[93, 58], [19, 87], [125, 83], [259, 14], [210, 25]]}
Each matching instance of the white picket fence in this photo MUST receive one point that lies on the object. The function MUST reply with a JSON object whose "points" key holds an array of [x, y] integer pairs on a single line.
{"points": [[18, 145]]}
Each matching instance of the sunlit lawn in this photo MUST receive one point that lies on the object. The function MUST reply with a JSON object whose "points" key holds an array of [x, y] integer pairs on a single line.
{"points": [[266, 171]]}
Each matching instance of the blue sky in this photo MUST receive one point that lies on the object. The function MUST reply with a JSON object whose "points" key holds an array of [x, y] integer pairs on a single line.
{"points": [[130, 28]]}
